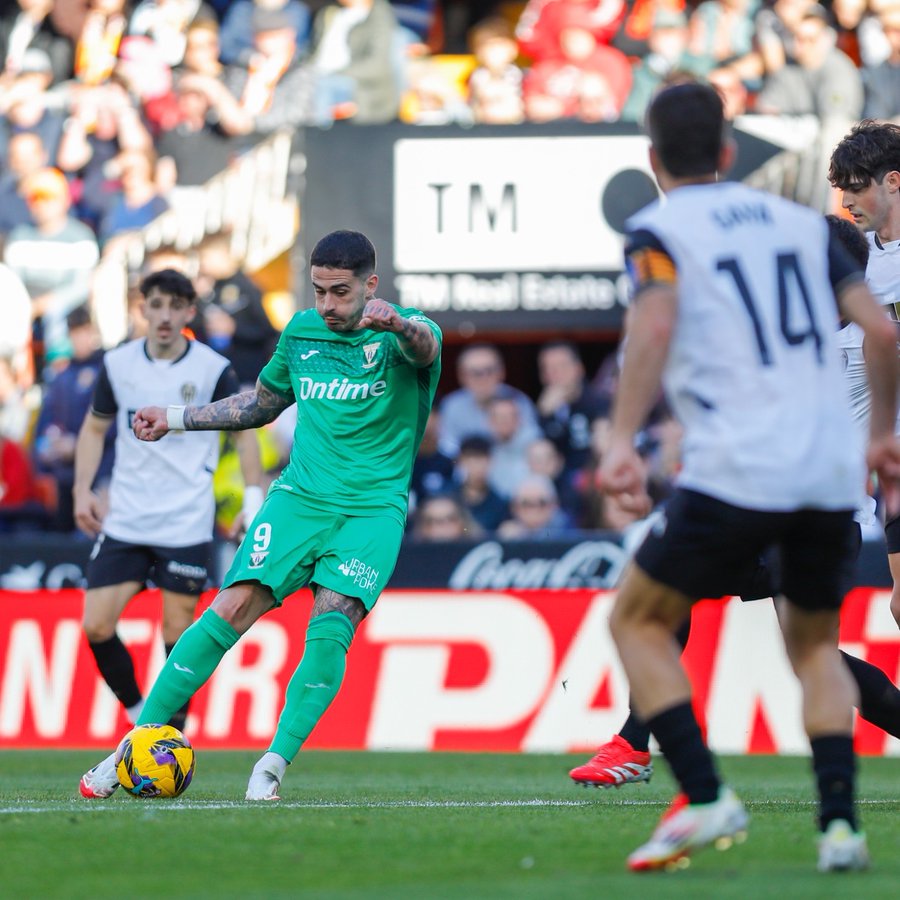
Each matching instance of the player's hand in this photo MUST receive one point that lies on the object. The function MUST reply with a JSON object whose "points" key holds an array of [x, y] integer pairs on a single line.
{"points": [[883, 458], [150, 423], [88, 512], [379, 315], [622, 473]]}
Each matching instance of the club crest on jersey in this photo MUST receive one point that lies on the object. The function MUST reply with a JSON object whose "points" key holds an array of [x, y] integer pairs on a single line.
{"points": [[188, 392], [371, 352], [257, 558]]}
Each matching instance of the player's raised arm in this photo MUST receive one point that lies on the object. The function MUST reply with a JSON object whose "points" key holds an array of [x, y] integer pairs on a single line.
{"points": [[416, 340], [249, 409]]}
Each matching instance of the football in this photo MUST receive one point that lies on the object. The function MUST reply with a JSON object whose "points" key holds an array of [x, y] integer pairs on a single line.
{"points": [[154, 761]]}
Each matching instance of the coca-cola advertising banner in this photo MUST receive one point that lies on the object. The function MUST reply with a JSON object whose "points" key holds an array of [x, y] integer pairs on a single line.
{"points": [[595, 562], [511, 670]]}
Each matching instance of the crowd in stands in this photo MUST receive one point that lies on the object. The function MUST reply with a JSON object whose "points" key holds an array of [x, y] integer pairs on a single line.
{"points": [[495, 463], [113, 112]]}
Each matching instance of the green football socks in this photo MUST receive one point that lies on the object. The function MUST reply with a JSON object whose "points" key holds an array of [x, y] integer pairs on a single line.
{"points": [[315, 683], [192, 660]]}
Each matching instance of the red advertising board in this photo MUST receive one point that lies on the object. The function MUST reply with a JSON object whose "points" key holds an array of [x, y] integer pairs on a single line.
{"points": [[442, 670]]}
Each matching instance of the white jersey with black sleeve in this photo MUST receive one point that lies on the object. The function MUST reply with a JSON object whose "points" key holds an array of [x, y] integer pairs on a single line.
{"points": [[161, 492], [883, 279], [753, 373]]}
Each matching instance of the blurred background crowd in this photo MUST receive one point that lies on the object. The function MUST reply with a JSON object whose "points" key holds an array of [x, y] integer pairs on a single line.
{"points": [[113, 114]]}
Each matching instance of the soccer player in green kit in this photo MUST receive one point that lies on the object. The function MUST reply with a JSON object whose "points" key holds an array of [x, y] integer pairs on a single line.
{"points": [[363, 373]]}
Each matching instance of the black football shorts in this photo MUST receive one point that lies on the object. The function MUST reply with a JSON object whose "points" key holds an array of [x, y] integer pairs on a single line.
{"points": [[706, 548]]}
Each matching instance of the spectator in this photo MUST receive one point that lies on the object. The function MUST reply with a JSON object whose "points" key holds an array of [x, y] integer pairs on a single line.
{"points": [[142, 69], [823, 82], [15, 323], [139, 201], [566, 405], [432, 471], [274, 88], [495, 85], [357, 54], [480, 372], [54, 258], [535, 512], [509, 440], [773, 43], [27, 26], [97, 47], [443, 518], [633, 35], [882, 82], [236, 35], [860, 33], [16, 404], [542, 23], [543, 458], [667, 43], [585, 80], [26, 155], [235, 320], [66, 401], [20, 509], [202, 50], [103, 123], [733, 91], [166, 22], [720, 32], [202, 143], [25, 106], [473, 464], [431, 97]]}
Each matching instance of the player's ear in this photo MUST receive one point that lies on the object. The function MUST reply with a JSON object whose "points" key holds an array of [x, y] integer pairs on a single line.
{"points": [[371, 286], [892, 180], [655, 164]]}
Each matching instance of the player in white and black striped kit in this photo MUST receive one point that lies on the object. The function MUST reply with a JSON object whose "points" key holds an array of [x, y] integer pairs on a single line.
{"points": [[734, 312], [159, 524], [865, 166]]}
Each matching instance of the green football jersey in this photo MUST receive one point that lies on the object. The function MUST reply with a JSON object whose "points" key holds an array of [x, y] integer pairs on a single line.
{"points": [[361, 412]]}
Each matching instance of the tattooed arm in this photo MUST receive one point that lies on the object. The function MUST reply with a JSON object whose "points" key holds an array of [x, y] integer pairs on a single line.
{"points": [[416, 341], [249, 409]]}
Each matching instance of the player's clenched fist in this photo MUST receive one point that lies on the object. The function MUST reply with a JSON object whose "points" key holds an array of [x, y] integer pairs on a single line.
{"points": [[379, 315], [150, 423]]}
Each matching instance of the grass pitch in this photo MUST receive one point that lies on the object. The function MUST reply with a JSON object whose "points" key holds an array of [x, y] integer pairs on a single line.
{"points": [[440, 825]]}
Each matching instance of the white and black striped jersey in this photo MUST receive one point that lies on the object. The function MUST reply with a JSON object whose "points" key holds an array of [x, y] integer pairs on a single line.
{"points": [[753, 373], [161, 492], [883, 279]]}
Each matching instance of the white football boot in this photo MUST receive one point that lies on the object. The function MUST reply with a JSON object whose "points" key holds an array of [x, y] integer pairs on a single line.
{"points": [[101, 781]]}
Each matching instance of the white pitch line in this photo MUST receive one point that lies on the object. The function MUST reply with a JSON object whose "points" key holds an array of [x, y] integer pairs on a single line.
{"points": [[191, 805], [182, 805]]}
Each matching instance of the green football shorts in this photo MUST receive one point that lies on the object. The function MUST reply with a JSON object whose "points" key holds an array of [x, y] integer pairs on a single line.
{"points": [[290, 544]]}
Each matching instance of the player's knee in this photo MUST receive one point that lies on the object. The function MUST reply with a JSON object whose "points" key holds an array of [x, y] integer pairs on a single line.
{"points": [[97, 628], [895, 605], [242, 604]]}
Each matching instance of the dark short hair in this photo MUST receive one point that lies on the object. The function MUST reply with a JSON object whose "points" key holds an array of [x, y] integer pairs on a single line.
{"points": [[851, 238], [475, 445], [170, 282], [866, 154], [569, 346], [350, 250], [687, 128], [78, 317]]}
